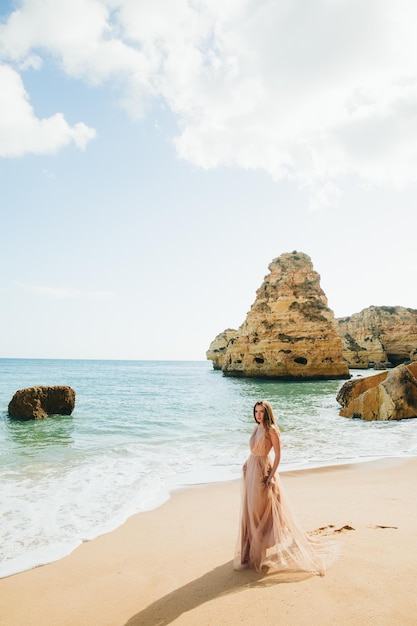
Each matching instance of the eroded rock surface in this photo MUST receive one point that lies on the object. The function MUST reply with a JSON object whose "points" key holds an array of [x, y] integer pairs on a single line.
{"points": [[383, 334], [218, 348], [390, 395], [39, 402], [289, 332]]}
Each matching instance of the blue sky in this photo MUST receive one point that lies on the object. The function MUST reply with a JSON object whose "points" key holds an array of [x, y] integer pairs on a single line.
{"points": [[155, 157]]}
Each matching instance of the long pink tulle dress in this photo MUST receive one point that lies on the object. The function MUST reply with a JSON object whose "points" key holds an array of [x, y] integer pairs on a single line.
{"points": [[269, 536]]}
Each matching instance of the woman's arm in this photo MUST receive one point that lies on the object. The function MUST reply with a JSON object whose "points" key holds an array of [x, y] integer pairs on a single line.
{"points": [[276, 444]]}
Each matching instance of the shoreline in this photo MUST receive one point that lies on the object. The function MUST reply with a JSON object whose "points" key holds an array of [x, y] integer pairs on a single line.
{"points": [[173, 487], [177, 487], [173, 564], [71, 479]]}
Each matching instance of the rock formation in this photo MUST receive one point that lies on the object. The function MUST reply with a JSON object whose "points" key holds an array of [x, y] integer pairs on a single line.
{"points": [[390, 395], [39, 402], [289, 332], [218, 347], [379, 335]]}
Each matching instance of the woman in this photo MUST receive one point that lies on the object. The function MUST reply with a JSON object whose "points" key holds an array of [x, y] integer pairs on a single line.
{"points": [[269, 536]]}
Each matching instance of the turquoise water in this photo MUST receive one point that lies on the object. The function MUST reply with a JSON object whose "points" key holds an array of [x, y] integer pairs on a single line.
{"points": [[141, 429]]}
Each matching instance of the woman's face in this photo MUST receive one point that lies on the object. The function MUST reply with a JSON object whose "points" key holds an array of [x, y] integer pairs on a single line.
{"points": [[259, 413]]}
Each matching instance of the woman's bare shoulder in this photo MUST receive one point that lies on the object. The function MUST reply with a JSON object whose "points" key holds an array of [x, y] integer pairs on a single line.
{"points": [[274, 430]]}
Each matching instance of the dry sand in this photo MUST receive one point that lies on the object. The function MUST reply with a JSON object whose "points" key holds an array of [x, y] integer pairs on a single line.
{"points": [[173, 565]]}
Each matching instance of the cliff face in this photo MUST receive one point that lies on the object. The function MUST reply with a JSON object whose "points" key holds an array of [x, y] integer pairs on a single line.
{"points": [[289, 331], [387, 334]]}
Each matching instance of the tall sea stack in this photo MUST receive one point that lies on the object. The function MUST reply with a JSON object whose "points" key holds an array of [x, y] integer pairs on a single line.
{"points": [[289, 332]]}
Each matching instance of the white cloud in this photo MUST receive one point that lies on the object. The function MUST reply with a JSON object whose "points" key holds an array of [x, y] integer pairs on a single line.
{"points": [[311, 91], [31, 62], [22, 132]]}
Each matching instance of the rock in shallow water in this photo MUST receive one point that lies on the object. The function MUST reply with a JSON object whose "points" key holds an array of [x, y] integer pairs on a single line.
{"points": [[39, 402], [391, 395]]}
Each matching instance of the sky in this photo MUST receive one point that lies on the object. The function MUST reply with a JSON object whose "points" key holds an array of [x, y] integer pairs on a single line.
{"points": [[155, 156]]}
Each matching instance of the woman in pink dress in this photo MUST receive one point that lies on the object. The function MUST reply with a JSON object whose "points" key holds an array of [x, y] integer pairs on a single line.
{"points": [[269, 535]]}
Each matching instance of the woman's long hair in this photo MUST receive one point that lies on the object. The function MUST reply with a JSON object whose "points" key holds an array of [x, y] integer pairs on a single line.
{"points": [[269, 417]]}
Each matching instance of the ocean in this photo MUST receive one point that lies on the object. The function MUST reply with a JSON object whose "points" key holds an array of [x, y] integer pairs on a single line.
{"points": [[142, 429]]}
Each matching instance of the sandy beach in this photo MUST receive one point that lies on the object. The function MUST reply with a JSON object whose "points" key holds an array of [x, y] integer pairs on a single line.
{"points": [[173, 565]]}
